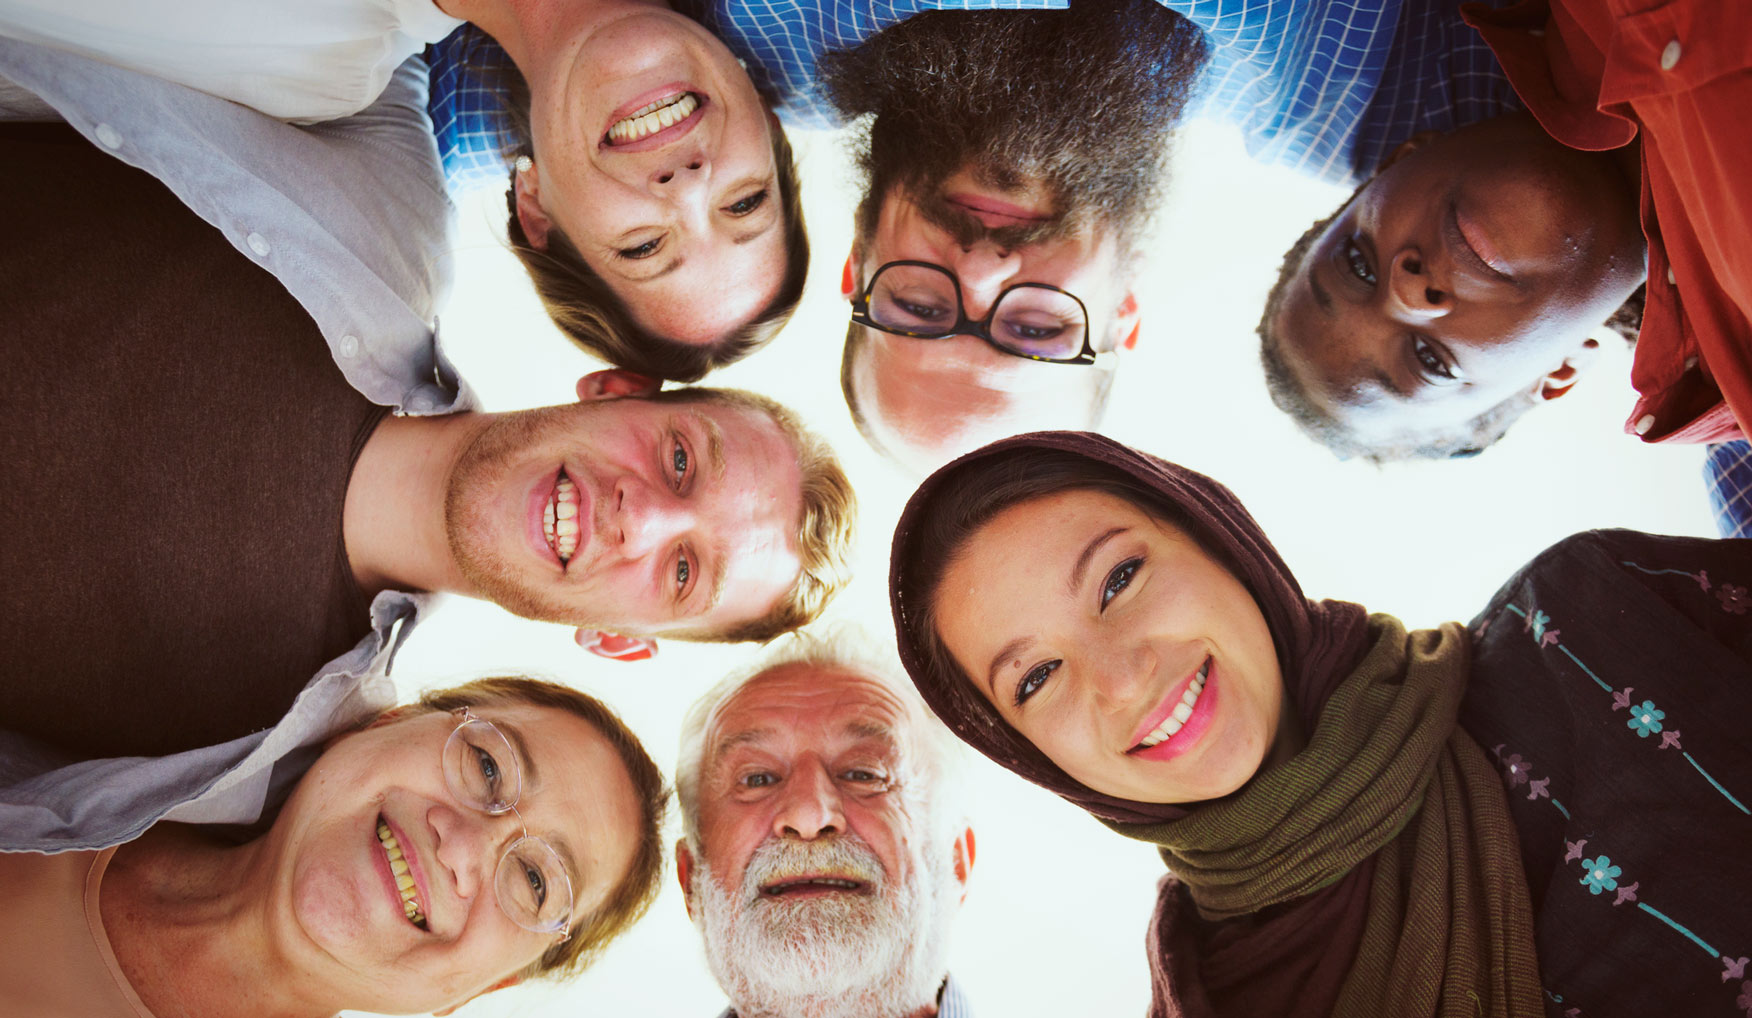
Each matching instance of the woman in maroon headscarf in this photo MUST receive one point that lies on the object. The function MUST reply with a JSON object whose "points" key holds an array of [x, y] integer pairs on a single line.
{"points": [[1358, 819]]}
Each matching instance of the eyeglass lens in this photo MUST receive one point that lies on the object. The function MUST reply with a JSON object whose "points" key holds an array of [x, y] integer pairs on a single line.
{"points": [[481, 771], [1034, 321]]}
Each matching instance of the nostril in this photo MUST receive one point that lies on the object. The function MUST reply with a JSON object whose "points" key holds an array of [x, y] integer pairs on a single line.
{"points": [[1413, 265], [665, 178], [1434, 296], [694, 165]]}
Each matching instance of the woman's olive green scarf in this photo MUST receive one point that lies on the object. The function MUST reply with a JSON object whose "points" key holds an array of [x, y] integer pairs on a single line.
{"points": [[1386, 773]]}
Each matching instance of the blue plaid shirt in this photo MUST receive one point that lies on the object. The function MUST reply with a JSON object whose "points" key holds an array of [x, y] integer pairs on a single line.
{"points": [[951, 1002], [1327, 87], [1727, 473]]}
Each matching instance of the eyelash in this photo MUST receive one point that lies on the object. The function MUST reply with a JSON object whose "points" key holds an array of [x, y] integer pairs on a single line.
{"points": [[1034, 679], [637, 252], [1357, 261], [753, 201], [679, 465], [1429, 361], [1119, 579]]}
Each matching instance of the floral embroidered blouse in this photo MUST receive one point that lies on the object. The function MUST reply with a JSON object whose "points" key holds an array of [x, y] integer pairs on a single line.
{"points": [[1612, 683]]}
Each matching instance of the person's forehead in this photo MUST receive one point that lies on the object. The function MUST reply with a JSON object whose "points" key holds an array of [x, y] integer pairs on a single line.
{"points": [[803, 706]]}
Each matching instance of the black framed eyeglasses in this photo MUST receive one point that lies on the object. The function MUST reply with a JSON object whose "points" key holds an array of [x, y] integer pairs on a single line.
{"points": [[922, 300]]}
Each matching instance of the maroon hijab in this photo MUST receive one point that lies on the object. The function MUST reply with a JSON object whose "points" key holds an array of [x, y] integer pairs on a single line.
{"points": [[1318, 642]]}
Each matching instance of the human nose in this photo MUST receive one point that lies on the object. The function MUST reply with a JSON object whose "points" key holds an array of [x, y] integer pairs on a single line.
{"points": [[982, 268], [469, 845], [648, 519], [683, 175], [810, 807], [1119, 673], [1413, 291]]}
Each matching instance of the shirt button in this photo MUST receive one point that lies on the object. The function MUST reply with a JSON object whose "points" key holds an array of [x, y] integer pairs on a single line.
{"points": [[1644, 423], [110, 137], [258, 244], [349, 346], [1670, 280], [1690, 362], [1670, 55], [420, 404]]}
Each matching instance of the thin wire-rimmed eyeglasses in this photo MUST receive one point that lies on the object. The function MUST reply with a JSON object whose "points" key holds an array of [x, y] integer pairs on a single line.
{"points": [[481, 771], [922, 300]]}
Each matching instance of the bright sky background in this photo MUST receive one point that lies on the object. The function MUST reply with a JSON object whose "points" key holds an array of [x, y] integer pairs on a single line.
{"points": [[1057, 907]]}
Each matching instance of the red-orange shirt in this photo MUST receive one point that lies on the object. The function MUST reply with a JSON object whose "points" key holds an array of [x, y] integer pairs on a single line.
{"points": [[1598, 74]]}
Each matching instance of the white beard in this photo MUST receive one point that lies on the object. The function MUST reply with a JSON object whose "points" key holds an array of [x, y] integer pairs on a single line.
{"points": [[877, 955]]}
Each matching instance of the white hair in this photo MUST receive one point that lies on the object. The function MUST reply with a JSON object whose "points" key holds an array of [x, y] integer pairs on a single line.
{"points": [[938, 759]]}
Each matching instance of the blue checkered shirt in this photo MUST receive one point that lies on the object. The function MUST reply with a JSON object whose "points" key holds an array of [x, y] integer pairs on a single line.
{"points": [[1727, 473], [1327, 87]]}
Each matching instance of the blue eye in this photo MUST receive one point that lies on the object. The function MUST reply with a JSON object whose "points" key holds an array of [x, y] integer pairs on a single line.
{"points": [[1358, 262], [748, 204], [1119, 579], [678, 463], [1035, 678]]}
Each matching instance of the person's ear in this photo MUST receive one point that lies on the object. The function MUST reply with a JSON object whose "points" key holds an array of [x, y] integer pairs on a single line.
{"points": [[616, 647], [613, 383], [503, 984], [1407, 147], [848, 278], [684, 873], [530, 215], [1561, 381], [964, 851], [1128, 320]]}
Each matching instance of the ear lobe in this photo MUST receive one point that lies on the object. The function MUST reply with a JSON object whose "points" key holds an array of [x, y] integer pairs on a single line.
{"points": [[1128, 312], [503, 984], [964, 853], [684, 874], [616, 647], [1561, 381], [613, 383], [530, 215], [1407, 147], [849, 282]]}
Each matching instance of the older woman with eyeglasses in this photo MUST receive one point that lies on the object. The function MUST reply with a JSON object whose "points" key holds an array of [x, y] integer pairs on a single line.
{"points": [[490, 833]]}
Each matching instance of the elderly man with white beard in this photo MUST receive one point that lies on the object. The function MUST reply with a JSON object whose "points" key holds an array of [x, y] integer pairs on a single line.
{"points": [[826, 851]]}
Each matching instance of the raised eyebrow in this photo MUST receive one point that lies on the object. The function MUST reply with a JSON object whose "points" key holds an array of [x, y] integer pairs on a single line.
{"points": [[746, 737]]}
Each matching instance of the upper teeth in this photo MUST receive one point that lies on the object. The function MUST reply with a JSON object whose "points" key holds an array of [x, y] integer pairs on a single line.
{"points": [[404, 878], [559, 521], [828, 881], [1182, 711], [648, 120]]}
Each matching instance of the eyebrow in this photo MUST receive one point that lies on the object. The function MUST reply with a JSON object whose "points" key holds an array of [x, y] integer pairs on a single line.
{"points": [[1088, 556], [720, 555], [659, 274], [521, 748], [866, 729], [746, 737], [998, 662], [1321, 297], [749, 238], [714, 442]]}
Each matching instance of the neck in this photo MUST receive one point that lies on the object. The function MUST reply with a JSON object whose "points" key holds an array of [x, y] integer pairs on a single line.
{"points": [[535, 33], [187, 920], [393, 523]]}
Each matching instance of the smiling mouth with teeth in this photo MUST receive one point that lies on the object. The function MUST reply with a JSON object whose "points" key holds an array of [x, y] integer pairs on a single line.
{"points": [[1183, 710], [404, 877], [648, 120], [780, 888], [559, 520]]}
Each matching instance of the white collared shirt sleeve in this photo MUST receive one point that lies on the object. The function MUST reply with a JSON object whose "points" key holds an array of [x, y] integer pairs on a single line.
{"points": [[304, 61]]}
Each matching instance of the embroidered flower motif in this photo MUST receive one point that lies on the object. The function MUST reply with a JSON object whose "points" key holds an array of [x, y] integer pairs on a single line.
{"points": [[1745, 999], [1670, 737], [1550, 638], [1645, 720], [1536, 622], [1734, 598], [1573, 849], [1514, 770], [1483, 626], [1627, 893], [1702, 578], [1601, 875], [1733, 968], [1621, 699], [1537, 790]]}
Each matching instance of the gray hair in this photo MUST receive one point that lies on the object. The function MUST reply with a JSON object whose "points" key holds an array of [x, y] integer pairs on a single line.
{"points": [[939, 759]]}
